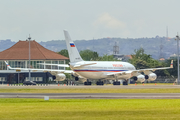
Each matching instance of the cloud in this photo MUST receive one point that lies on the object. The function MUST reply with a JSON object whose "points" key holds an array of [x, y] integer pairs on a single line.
{"points": [[108, 21], [140, 25]]}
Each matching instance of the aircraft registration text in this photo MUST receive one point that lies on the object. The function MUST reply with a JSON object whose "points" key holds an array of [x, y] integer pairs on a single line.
{"points": [[117, 65]]}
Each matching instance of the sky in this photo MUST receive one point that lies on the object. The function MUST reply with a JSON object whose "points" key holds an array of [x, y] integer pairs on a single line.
{"points": [[45, 20]]}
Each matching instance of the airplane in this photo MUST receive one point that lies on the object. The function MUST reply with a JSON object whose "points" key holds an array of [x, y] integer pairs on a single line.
{"points": [[102, 70], [105, 70]]}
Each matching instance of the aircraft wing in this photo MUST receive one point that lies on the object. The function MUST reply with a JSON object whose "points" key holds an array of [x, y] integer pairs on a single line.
{"points": [[60, 65], [66, 65], [141, 70], [154, 69], [120, 73], [32, 69]]}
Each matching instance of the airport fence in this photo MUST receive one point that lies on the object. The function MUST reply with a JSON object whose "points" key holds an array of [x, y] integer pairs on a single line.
{"points": [[162, 79]]}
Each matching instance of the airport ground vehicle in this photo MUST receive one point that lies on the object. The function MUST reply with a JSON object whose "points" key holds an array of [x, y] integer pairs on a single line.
{"points": [[29, 83]]}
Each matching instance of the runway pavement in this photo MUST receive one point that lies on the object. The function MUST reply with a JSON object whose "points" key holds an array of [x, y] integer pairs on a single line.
{"points": [[93, 95], [91, 87]]}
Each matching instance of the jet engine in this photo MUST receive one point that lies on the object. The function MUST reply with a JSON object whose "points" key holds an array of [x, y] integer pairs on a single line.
{"points": [[61, 76], [77, 77], [151, 77], [140, 78]]}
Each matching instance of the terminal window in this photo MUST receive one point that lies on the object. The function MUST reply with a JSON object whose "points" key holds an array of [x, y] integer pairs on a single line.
{"points": [[2, 79]]}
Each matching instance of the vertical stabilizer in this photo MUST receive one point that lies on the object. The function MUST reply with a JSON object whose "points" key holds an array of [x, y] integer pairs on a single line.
{"points": [[72, 50]]}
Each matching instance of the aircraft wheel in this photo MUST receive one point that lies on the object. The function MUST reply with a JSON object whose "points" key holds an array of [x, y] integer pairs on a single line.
{"points": [[116, 83], [102, 83], [87, 83], [125, 82], [99, 83]]}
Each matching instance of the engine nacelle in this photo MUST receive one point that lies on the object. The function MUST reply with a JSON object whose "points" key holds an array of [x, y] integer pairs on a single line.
{"points": [[76, 78], [61, 76], [151, 77], [140, 78]]}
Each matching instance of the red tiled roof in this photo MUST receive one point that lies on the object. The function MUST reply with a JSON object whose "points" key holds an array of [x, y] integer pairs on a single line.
{"points": [[129, 56], [20, 51]]}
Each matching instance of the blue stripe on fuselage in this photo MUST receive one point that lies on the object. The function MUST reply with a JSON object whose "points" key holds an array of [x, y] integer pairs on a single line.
{"points": [[100, 70]]}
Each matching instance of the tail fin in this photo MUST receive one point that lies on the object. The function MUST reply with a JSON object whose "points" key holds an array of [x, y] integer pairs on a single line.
{"points": [[72, 50]]}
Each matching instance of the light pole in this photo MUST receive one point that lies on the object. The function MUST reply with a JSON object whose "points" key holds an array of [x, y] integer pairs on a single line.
{"points": [[177, 38], [29, 57]]}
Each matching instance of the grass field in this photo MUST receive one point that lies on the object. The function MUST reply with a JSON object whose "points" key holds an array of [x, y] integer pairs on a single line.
{"points": [[89, 109], [92, 90]]}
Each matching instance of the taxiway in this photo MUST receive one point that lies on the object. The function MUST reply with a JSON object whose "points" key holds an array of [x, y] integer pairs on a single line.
{"points": [[93, 95]]}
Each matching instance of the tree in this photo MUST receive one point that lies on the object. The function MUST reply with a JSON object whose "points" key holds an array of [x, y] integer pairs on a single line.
{"points": [[107, 58], [141, 61], [68, 76], [65, 53], [89, 55]]}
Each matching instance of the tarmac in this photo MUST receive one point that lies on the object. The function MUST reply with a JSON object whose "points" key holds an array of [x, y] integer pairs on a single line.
{"points": [[92, 95], [132, 86]]}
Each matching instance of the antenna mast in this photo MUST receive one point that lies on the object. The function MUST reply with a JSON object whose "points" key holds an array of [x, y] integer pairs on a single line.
{"points": [[115, 49], [29, 57]]}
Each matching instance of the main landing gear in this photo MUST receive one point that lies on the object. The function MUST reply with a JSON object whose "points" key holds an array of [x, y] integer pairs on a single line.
{"points": [[87, 82], [125, 82], [116, 83], [99, 82]]}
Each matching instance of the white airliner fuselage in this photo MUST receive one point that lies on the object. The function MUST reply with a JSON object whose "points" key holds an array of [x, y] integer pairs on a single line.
{"points": [[102, 69]]}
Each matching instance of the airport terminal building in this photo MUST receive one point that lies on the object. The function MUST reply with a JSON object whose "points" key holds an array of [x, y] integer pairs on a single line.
{"points": [[18, 57]]}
